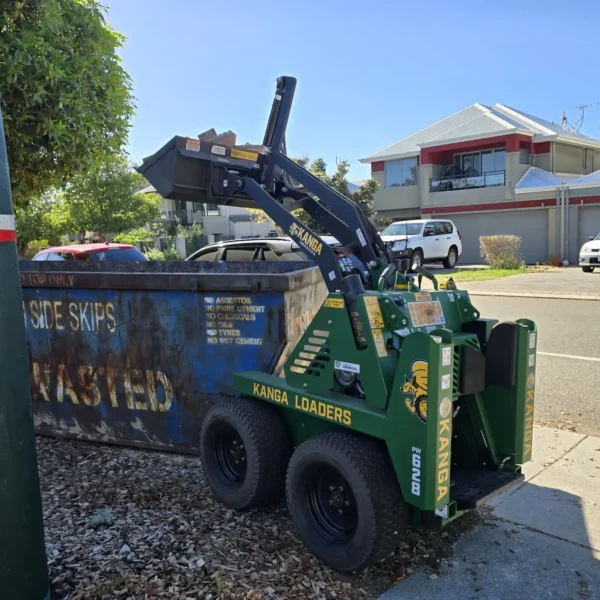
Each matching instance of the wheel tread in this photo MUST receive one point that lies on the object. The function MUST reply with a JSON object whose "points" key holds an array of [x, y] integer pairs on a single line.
{"points": [[270, 437], [372, 461]]}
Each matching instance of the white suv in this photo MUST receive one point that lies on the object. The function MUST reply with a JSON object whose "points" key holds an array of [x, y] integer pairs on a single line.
{"points": [[589, 255], [424, 241]]}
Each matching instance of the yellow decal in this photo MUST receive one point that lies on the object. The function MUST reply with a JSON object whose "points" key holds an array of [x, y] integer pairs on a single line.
{"points": [[402, 286], [443, 459], [334, 302], [426, 313], [374, 312], [379, 343], [312, 348], [422, 296], [304, 404], [307, 240], [527, 446], [415, 388], [245, 155], [321, 333], [302, 363]]}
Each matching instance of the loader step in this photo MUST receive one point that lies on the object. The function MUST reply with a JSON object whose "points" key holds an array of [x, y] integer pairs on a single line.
{"points": [[471, 489]]}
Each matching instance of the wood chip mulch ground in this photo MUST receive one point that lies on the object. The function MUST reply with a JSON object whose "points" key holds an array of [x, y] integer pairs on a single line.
{"points": [[132, 524]]}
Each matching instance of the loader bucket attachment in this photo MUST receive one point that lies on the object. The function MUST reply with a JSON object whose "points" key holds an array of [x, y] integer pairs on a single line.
{"points": [[192, 169]]}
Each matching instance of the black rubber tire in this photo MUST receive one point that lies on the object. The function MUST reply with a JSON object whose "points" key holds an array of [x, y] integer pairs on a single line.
{"points": [[382, 515], [587, 269], [447, 262], [419, 253], [267, 446]]}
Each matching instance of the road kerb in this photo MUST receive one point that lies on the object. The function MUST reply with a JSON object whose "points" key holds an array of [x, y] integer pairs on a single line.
{"points": [[546, 296]]}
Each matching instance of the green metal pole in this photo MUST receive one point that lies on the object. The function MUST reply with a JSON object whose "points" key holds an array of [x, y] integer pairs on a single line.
{"points": [[23, 570]]}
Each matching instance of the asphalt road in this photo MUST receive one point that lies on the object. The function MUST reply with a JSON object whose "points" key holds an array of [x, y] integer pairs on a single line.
{"points": [[568, 385]]}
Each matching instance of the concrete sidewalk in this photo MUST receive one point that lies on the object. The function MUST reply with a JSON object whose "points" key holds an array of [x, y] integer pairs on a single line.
{"points": [[566, 284], [546, 541]]}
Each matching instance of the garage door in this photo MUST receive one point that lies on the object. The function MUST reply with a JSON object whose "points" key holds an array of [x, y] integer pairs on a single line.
{"points": [[589, 223], [530, 225]]}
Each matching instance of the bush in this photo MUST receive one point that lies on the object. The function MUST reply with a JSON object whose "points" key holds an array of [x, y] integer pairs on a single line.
{"points": [[34, 247], [135, 236], [155, 254], [501, 251], [171, 253]]}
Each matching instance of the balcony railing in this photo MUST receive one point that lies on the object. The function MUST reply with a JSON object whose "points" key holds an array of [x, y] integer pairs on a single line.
{"points": [[463, 182], [183, 216]]}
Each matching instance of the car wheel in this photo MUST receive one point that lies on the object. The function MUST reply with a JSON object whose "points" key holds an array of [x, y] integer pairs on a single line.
{"points": [[417, 259], [452, 258], [587, 269]]}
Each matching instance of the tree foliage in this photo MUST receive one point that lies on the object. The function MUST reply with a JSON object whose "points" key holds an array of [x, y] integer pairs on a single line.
{"points": [[338, 180], [35, 221], [65, 98], [106, 199]]}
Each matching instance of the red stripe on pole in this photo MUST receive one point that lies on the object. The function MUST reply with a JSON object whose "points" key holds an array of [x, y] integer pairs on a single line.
{"points": [[7, 235]]}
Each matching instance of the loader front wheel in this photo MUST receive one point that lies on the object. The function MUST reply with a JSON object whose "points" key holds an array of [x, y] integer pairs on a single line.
{"points": [[245, 448], [345, 501]]}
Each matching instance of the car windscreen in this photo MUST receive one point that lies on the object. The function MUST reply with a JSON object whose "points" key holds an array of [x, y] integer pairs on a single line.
{"points": [[403, 229], [598, 237], [117, 254]]}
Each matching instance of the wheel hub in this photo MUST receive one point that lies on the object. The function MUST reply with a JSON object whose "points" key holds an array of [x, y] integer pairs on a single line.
{"points": [[331, 504], [230, 456]]}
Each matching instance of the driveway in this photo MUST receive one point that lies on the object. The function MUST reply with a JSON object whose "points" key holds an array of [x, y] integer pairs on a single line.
{"points": [[569, 280]]}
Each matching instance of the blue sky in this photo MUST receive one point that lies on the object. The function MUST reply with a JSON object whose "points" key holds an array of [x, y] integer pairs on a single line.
{"points": [[368, 73]]}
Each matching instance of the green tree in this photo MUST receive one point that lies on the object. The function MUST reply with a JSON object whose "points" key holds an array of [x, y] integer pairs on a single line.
{"points": [[338, 180], [65, 97], [106, 199], [34, 221]]}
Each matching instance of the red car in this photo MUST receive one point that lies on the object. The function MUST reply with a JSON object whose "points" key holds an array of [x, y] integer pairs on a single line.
{"points": [[96, 252]]}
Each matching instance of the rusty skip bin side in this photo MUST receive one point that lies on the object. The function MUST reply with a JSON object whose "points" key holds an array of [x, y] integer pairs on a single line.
{"points": [[139, 361]]}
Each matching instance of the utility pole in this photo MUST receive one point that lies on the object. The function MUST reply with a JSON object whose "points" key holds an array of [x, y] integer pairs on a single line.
{"points": [[23, 569]]}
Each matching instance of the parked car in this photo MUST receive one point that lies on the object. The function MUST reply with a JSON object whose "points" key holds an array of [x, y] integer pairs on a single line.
{"points": [[589, 255], [424, 241], [96, 252], [272, 248]]}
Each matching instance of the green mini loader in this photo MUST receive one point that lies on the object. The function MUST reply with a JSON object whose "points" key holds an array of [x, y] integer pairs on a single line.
{"points": [[399, 406]]}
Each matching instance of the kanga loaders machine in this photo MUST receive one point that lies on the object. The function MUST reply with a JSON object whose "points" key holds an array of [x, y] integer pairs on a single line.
{"points": [[399, 406]]}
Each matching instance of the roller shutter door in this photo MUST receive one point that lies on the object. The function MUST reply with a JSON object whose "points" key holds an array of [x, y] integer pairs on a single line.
{"points": [[530, 225], [589, 223]]}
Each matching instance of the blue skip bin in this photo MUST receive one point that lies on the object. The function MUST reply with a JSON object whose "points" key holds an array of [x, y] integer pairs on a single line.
{"points": [[135, 353]]}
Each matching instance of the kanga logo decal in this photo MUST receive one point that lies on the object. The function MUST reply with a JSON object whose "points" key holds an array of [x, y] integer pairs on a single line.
{"points": [[416, 389]]}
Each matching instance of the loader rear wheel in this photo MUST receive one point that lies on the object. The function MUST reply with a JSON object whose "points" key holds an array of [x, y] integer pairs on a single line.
{"points": [[344, 500], [245, 448]]}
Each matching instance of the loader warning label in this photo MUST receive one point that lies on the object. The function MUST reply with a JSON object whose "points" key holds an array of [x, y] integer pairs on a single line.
{"points": [[374, 312], [244, 155], [228, 319], [426, 313]]}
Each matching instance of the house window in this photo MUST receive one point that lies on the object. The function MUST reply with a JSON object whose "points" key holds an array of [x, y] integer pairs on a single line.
{"points": [[399, 173], [478, 163], [212, 210]]}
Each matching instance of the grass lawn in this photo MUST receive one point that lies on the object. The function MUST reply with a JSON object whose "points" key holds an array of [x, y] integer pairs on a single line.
{"points": [[484, 274]]}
